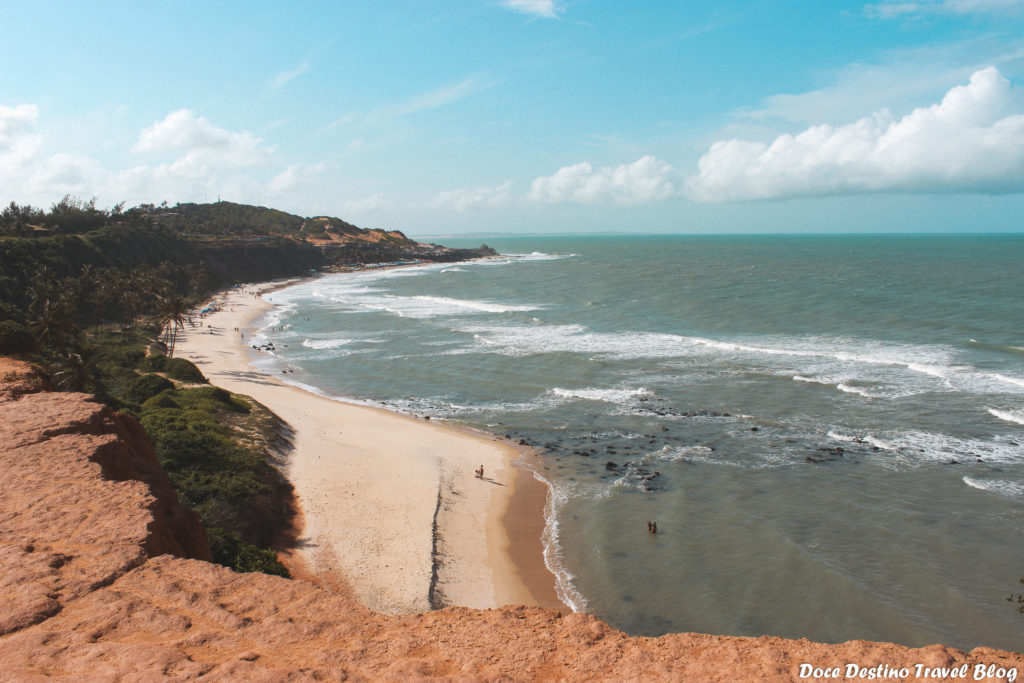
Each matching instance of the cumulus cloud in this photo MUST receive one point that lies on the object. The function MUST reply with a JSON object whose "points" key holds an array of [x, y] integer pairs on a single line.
{"points": [[477, 197], [968, 142], [19, 141], [647, 179], [896, 8], [190, 160], [62, 174], [201, 141], [539, 8]]}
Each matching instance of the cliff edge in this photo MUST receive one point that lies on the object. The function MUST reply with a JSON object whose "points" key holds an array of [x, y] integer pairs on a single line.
{"points": [[104, 576]]}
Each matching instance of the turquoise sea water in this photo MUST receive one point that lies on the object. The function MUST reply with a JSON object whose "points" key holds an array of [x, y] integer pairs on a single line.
{"points": [[828, 431]]}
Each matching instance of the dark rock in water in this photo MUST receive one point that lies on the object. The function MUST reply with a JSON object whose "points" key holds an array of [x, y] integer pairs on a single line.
{"points": [[610, 465], [954, 462], [754, 429], [813, 459], [522, 442]]}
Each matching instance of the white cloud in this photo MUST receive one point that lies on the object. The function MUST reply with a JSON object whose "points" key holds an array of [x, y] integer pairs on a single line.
{"points": [[365, 205], [193, 161], [860, 89], [202, 142], [647, 179], [62, 174], [19, 142], [896, 8], [540, 8], [965, 143], [296, 176], [285, 77], [477, 197], [432, 99]]}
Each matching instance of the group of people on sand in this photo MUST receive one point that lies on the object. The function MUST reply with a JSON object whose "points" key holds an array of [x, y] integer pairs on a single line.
{"points": [[652, 527]]}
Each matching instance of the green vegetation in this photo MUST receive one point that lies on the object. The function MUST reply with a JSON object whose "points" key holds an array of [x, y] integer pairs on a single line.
{"points": [[183, 371], [214, 448], [225, 218], [146, 387], [231, 551]]}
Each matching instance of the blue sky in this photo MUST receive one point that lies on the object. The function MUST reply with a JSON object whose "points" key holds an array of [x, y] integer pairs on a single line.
{"points": [[540, 116]]}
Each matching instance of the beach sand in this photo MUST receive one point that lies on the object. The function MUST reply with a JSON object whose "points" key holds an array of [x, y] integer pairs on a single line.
{"points": [[389, 502]]}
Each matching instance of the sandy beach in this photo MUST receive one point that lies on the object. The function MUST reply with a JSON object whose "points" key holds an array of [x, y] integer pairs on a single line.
{"points": [[389, 502]]}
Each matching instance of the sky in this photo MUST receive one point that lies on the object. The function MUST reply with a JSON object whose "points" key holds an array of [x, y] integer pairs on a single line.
{"points": [[526, 116]]}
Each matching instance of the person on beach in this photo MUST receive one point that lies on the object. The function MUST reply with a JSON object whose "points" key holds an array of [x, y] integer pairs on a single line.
{"points": [[480, 472]]}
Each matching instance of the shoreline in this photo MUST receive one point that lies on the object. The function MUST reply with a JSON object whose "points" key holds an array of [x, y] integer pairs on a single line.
{"points": [[388, 501]]}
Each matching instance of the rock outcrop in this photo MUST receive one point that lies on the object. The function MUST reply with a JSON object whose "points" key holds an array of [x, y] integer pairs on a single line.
{"points": [[96, 583]]}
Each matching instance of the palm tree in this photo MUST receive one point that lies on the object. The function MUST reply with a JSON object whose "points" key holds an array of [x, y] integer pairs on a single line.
{"points": [[77, 370], [52, 319], [172, 316]]}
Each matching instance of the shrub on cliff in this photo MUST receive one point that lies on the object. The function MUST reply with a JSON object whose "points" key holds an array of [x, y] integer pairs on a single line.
{"points": [[211, 400], [183, 371], [231, 551], [146, 387], [212, 446], [161, 400], [155, 363]]}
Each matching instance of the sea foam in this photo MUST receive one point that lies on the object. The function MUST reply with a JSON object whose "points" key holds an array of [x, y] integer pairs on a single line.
{"points": [[320, 344], [1001, 486], [610, 395], [1015, 416]]}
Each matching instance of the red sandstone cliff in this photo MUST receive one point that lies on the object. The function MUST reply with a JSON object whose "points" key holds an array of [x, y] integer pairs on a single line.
{"points": [[94, 585]]}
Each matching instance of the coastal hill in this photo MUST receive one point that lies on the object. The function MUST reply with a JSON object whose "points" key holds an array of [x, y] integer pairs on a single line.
{"points": [[105, 576], [192, 249], [228, 218], [337, 241]]}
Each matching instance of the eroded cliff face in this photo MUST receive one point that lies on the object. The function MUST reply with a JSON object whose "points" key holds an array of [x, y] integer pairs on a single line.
{"points": [[95, 582]]}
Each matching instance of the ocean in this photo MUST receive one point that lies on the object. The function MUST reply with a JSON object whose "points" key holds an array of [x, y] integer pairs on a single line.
{"points": [[828, 431]]}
